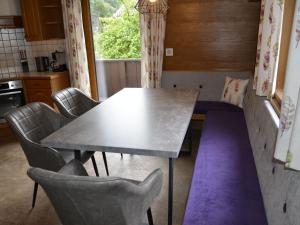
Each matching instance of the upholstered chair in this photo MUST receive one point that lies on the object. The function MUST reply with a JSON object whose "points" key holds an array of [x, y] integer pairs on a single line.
{"points": [[72, 103], [33, 122], [80, 200]]}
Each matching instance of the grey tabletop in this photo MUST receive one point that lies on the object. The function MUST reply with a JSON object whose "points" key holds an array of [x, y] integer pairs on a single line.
{"points": [[139, 121]]}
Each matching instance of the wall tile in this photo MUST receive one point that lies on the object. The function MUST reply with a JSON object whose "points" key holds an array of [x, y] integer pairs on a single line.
{"points": [[12, 41]]}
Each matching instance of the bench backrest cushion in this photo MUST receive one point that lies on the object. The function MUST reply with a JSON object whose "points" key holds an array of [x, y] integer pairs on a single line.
{"points": [[203, 107], [280, 187]]}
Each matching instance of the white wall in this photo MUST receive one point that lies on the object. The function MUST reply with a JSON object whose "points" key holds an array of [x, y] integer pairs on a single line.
{"points": [[10, 7], [212, 83]]}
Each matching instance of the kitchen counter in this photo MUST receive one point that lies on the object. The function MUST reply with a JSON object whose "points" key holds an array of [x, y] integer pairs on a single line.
{"points": [[36, 75], [38, 87]]}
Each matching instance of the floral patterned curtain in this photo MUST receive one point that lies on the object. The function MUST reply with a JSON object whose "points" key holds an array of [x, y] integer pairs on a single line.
{"points": [[267, 48], [288, 140], [75, 45], [153, 27]]}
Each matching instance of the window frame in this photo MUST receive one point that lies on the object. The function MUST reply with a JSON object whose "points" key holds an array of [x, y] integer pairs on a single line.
{"points": [[287, 24], [89, 42]]}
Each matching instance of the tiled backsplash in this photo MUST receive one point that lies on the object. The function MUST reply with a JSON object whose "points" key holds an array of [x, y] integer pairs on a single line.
{"points": [[12, 41]]}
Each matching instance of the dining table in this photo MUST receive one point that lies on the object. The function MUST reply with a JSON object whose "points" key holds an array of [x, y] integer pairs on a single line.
{"points": [[140, 121]]}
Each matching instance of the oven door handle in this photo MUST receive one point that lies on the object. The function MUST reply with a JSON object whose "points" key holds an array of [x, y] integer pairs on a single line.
{"points": [[10, 93]]}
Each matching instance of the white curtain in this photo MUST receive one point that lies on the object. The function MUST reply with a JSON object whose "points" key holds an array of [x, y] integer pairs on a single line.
{"points": [[267, 47], [153, 27], [288, 140], [75, 45]]}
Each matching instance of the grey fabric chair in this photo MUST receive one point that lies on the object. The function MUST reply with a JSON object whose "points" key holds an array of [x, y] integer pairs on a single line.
{"points": [[33, 122], [72, 103], [81, 200]]}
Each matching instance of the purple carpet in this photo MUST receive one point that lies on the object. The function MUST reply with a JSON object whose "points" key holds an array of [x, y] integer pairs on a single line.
{"points": [[225, 188]]}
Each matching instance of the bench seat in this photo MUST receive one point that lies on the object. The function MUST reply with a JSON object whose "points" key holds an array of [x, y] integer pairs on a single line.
{"points": [[225, 188], [202, 107]]}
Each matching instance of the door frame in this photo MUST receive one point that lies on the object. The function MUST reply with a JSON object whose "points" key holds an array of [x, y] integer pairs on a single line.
{"points": [[89, 42]]}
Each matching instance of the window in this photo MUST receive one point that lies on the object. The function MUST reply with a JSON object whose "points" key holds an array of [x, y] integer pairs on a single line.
{"points": [[116, 29], [112, 34], [288, 16]]}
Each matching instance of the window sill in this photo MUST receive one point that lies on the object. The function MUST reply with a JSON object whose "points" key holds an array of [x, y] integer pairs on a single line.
{"points": [[273, 112]]}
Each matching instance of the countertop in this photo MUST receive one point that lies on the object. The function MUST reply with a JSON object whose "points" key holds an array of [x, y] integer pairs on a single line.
{"points": [[35, 75]]}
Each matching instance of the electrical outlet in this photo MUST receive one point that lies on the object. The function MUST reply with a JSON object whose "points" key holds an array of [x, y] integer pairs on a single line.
{"points": [[169, 52]]}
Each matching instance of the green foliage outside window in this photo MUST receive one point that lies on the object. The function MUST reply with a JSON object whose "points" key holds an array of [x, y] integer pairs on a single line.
{"points": [[116, 29]]}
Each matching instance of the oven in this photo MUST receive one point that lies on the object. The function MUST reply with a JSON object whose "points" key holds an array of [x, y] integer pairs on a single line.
{"points": [[11, 96]]}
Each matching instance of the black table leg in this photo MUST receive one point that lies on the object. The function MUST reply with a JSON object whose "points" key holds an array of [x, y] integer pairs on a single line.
{"points": [[149, 215], [77, 155], [170, 202]]}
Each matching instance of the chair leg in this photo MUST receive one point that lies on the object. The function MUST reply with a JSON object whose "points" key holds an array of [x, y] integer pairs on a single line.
{"points": [[105, 163], [190, 139], [149, 215], [35, 189], [95, 165]]}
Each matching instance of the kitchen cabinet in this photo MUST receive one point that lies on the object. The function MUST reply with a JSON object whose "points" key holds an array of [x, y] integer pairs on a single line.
{"points": [[39, 87], [6, 133], [42, 19], [11, 22]]}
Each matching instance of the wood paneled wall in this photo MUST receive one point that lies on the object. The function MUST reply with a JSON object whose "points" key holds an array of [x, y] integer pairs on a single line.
{"points": [[212, 35]]}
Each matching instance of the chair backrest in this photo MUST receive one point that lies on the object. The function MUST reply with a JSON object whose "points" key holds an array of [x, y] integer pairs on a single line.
{"points": [[34, 121], [31, 123], [81, 200], [72, 102]]}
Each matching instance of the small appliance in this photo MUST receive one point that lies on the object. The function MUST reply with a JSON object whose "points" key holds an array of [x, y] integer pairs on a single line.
{"points": [[59, 61], [24, 61], [42, 63]]}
